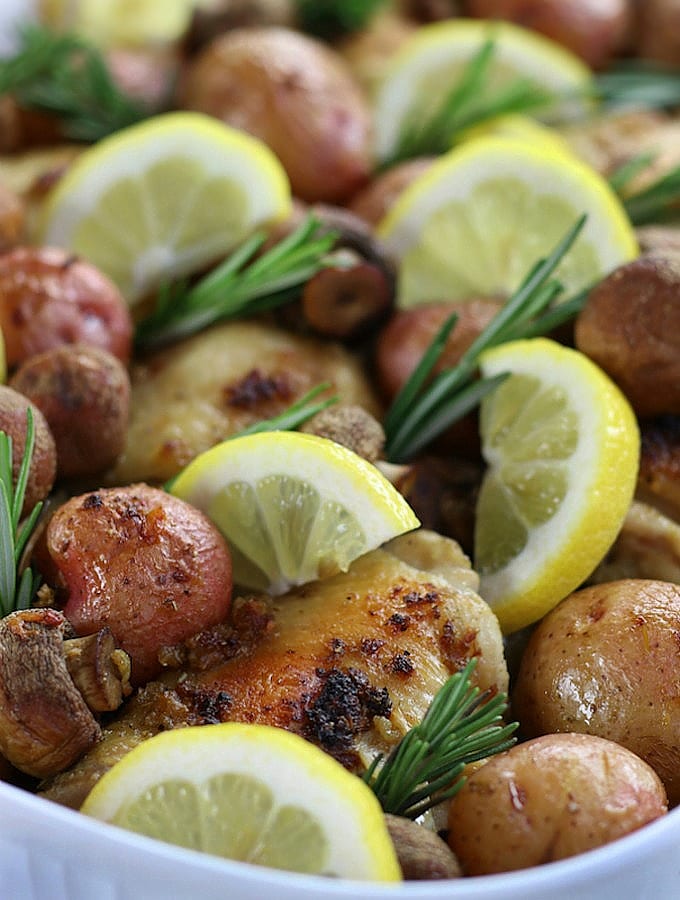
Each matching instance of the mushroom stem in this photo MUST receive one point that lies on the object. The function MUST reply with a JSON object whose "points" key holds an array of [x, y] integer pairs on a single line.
{"points": [[99, 669]]}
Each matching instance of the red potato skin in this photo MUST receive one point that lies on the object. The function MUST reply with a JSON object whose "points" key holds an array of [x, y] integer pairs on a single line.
{"points": [[409, 332], [149, 566], [297, 96], [595, 30], [48, 297], [549, 799]]}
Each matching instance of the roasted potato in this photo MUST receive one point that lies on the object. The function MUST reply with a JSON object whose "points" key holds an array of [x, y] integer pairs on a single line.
{"points": [[150, 567], [295, 94], [606, 662], [49, 297], [548, 799]]}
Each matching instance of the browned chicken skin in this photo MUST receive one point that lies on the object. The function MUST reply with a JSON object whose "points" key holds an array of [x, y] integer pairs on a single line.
{"points": [[350, 662]]}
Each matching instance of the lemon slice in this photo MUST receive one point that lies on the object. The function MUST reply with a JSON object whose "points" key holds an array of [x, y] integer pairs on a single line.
{"points": [[252, 793], [120, 23], [294, 507], [430, 63], [562, 446], [161, 199], [520, 128], [478, 219]]}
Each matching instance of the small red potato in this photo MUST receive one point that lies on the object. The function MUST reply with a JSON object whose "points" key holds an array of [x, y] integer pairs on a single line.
{"points": [[84, 394], [409, 332], [549, 799], [295, 94], [374, 201], [149, 566], [13, 421], [595, 30], [49, 297], [606, 662]]}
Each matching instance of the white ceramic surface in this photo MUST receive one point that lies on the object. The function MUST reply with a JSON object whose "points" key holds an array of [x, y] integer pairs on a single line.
{"points": [[51, 853]]}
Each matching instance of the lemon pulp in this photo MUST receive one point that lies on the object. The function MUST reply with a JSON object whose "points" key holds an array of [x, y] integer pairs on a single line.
{"points": [[476, 221]]}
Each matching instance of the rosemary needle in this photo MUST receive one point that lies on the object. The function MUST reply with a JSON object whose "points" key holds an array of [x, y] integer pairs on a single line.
{"points": [[422, 410], [467, 104], [244, 284], [462, 725], [17, 588], [64, 75], [330, 19]]}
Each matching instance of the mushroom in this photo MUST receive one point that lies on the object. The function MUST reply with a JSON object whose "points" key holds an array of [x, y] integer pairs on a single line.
{"points": [[352, 426], [346, 299], [422, 854], [99, 669], [46, 723]]}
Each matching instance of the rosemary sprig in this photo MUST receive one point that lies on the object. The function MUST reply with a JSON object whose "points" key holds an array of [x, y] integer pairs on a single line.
{"points": [[331, 19], [242, 285], [17, 589], [638, 84], [469, 102], [64, 75], [657, 202], [422, 410], [295, 415], [461, 725]]}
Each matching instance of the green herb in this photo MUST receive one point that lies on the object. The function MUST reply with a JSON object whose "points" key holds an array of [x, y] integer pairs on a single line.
{"points": [[243, 285], [658, 202], [295, 415], [638, 85], [17, 588], [63, 75], [461, 725], [335, 18], [470, 102], [423, 409], [289, 420]]}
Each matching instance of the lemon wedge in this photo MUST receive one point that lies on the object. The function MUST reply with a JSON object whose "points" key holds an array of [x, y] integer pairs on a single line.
{"points": [[294, 507], [162, 199], [120, 23], [562, 446], [429, 64], [480, 217], [252, 793]]}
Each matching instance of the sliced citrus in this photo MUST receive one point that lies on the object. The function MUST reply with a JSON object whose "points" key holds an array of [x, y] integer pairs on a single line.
{"points": [[430, 63], [120, 23], [520, 128], [163, 198], [252, 793], [479, 218], [562, 446], [294, 507]]}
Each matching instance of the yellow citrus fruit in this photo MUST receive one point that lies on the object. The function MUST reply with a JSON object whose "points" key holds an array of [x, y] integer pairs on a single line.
{"points": [[252, 793], [164, 198], [520, 128], [479, 218], [562, 447], [120, 23], [294, 507], [429, 64]]}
